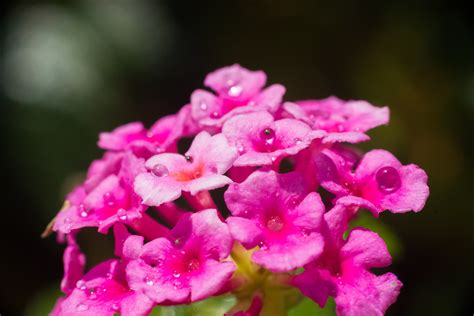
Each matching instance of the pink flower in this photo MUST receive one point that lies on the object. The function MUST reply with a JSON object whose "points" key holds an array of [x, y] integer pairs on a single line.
{"points": [[238, 90], [379, 182], [343, 270], [262, 141], [74, 262], [188, 266], [107, 197], [201, 168], [104, 291], [345, 121], [276, 212], [142, 142]]}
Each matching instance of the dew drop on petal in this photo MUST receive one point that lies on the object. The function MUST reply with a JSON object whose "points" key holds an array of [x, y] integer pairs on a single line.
{"points": [[115, 307], [188, 158], [82, 307], [149, 281], [177, 284], [176, 274], [92, 293], [159, 170], [298, 141], [262, 245], [109, 199], [193, 265], [388, 179], [203, 105], [81, 285], [83, 211], [267, 134], [122, 214], [235, 91], [240, 148], [275, 223], [215, 115]]}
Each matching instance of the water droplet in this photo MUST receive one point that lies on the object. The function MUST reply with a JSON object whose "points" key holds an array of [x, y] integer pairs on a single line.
{"points": [[82, 307], [188, 158], [240, 148], [215, 115], [273, 158], [305, 232], [235, 91], [122, 214], [83, 211], [262, 245], [109, 199], [267, 134], [388, 179], [177, 284], [275, 223], [149, 281], [203, 105], [115, 307], [108, 275], [159, 170], [92, 293], [193, 265], [298, 141], [81, 285], [176, 274], [178, 241], [340, 128]]}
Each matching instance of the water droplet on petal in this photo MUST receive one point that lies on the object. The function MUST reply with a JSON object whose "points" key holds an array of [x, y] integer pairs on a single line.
{"points": [[177, 284], [275, 223], [122, 214], [188, 158], [193, 265], [82, 307], [149, 281], [298, 141], [305, 232], [109, 199], [267, 133], [159, 170], [215, 115], [388, 179], [262, 245], [108, 275], [176, 274], [235, 91], [92, 293], [203, 105], [115, 307], [83, 212], [340, 128], [81, 285], [240, 148]]}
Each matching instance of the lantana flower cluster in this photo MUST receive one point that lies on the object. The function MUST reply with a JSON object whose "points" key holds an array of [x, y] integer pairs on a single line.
{"points": [[258, 206]]}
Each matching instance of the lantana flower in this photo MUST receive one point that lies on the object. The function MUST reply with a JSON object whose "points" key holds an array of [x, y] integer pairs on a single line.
{"points": [[269, 191], [238, 90], [188, 266], [201, 168]]}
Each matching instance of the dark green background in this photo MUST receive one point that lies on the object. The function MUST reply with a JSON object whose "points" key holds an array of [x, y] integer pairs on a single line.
{"points": [[72, 69]]}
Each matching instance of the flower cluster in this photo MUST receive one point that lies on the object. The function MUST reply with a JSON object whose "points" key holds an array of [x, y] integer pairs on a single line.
{"points": [[179, 239]]}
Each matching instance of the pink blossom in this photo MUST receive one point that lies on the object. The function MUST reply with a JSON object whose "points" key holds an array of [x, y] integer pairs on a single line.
{"points": [[188, 266], [260, 140], [74, 262], [201, 168], [104, 291], [142, 142], [106, 200], [379, 182], [343, 270], [345, 121], [239, 90], [276, 212]]}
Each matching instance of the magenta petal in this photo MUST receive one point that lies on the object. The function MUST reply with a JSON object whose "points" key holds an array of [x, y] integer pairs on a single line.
{"points": [[74, 262], [211, 279], [118, 138], [155, 191], [366, 249], [244, 230], [294, 252]]}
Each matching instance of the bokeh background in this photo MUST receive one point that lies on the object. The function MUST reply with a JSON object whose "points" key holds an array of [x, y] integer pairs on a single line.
{"points": [[72, 69]]}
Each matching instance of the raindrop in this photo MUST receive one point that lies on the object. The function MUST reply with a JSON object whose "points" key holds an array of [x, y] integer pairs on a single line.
{"points": [[388, 179], [267, 134], [81, 285], [215, 114], [188, 158], [159, 170], [262, 245], [203, 106], [176, 274], [235, 91], [177, 284], [149, 281], [122, 214], [83, 211], [275, 223], [193, 265], [109, 199], [298, 141], [115, 307], [82, 307]]}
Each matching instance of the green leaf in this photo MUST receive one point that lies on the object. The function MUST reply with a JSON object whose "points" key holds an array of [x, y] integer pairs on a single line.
{"points": [[214, 306], [309, 308]]}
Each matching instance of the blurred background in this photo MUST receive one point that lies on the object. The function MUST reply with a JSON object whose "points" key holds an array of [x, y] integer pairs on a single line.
{"points": [[69, 70]]}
